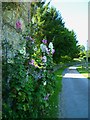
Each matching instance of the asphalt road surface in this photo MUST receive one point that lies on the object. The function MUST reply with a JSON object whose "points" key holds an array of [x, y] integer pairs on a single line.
{"points": [[74, 95]]}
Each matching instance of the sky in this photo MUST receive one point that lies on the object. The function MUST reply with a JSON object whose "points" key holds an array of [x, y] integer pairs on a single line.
{"points": [[75, 16]]}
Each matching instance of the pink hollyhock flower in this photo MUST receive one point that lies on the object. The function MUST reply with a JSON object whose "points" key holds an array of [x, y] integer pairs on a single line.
{"points": [[53, 51], [18, 25], [44, 41]]}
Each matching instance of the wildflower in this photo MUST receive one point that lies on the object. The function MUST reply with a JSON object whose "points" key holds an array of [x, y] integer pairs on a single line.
{"points": [[36, 66], [39, 76], [23, 51], [44, 83], [31, 62], [44, 41], [29, 38], [35, 48], [18, 25], [50, 45], [44, 70], [46, 97], [44, 59]]}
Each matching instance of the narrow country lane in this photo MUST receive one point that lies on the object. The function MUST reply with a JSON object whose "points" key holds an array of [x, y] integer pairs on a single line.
{"points": [[74, 95]]}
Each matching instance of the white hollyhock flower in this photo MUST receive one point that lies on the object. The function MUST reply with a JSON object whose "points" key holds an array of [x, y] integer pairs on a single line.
{"points": [[44, 83], [47, 50], [44, 59], [23, 51], [50, 45], [35, 49], [43, 47]]}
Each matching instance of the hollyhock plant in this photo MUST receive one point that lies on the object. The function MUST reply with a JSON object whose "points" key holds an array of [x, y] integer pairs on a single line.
{"points": [[31, 76], [18, 25]]}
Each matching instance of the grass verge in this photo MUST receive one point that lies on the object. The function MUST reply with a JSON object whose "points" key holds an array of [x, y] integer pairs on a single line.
{"points": [[53, 101], [84, 71]]}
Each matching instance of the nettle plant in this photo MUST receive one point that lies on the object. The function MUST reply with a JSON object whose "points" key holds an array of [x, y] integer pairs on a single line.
{"points": [[31, 80]]}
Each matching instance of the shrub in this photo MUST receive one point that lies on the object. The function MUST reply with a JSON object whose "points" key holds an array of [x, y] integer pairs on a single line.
{"points": [[65, 59]]}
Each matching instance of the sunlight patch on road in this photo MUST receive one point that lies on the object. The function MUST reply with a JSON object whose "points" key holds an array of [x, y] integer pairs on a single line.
{"points": [[72, 68], [73, 75]]}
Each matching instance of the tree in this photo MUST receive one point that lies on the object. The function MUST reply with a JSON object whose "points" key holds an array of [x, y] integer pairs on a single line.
{"points": [[65, 44], [48, 24], [82, 52]]}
